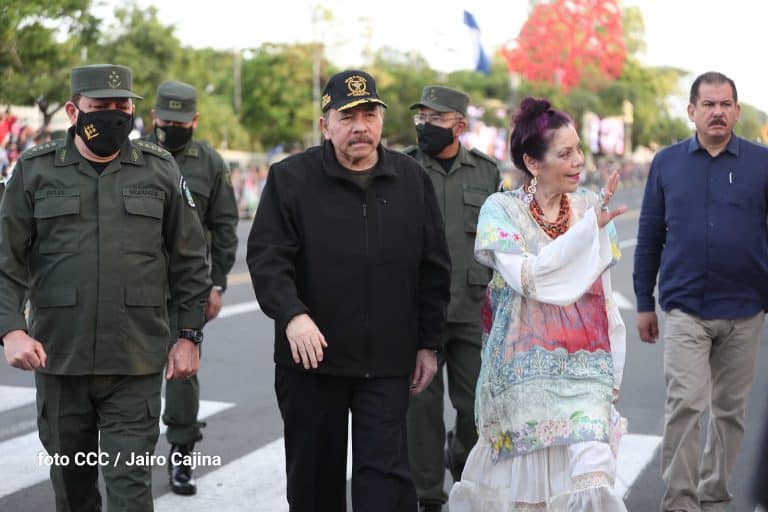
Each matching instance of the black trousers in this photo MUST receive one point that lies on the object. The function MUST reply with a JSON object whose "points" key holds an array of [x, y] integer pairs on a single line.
{"points": [[315, 410]]}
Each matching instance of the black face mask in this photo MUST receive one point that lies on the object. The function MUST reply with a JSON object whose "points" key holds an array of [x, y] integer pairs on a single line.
{"points": [[433, 139], [104, 131], [173, 137]]}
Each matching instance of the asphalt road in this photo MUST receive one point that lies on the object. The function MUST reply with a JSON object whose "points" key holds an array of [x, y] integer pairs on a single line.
{"points": [[237, 380]]}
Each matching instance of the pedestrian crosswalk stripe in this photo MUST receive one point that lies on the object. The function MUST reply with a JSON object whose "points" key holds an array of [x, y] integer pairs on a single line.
{"points": [[19, 455], [15, 396], [635, 453], [622, 302], [258, 478], [239, 309]]}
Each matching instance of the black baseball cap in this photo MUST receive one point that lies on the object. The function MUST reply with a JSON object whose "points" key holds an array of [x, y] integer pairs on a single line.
{"points": [[349, 89]]}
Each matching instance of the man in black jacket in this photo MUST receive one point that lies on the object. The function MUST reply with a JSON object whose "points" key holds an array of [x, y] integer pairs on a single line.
{"points": [[347, 254]]}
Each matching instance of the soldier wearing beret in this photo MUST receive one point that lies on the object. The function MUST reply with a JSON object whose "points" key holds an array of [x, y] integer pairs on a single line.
{"points": [[100, 231], [174, 120], [347, 253], [463, 179]]}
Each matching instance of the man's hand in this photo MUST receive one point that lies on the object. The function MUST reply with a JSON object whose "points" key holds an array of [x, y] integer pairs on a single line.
{"points": [[426, 368], [23, 351], [213, 307], [307, 342], [183, 360], [648, 326]]}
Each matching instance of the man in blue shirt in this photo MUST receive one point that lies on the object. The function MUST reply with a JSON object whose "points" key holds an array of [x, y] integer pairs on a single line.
{"points": [[703, 229]]}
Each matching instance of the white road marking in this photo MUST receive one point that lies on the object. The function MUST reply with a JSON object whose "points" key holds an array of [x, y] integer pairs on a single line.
{"points": [[630, 242], [239, 309], [622, 302], [15, 396], [258, 479], [635, 453], [19, 456]]}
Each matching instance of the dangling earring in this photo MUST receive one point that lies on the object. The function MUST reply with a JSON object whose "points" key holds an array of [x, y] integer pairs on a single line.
{"points": [[530, 190]]}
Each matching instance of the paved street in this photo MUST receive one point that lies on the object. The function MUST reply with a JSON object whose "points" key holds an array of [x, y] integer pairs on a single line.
{"points": [[244, 428]]}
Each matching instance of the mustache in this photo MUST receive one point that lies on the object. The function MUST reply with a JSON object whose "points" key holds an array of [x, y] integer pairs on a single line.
{"points": [[358, 140], [718, 122]]}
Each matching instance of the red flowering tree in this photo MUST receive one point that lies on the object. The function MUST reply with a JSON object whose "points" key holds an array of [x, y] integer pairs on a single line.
{"points": [[565, 40]]}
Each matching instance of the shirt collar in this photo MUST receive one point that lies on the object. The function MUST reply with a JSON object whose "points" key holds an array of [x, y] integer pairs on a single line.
{"points": [[732, 147], [67, 153]]}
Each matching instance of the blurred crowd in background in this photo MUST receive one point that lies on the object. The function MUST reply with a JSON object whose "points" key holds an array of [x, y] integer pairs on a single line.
{"points": [[250, 170]]}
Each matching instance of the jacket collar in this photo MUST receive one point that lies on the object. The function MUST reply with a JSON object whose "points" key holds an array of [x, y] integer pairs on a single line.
{"points": [[332, 167], [67, 154], [462, 159]]}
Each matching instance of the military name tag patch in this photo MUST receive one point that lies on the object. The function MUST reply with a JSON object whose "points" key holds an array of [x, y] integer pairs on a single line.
{"points": [[185, 192]]}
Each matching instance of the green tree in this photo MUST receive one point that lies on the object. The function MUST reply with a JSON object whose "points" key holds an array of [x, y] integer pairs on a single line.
{"points": [[34, 64], [277, 93]]}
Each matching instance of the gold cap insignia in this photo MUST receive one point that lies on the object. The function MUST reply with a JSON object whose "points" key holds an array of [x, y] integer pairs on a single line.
{"points": [[113, 80], [326, 100], [357, 86], [174, 104]]}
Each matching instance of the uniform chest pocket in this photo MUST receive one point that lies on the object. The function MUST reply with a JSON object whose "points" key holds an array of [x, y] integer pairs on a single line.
{"points": [[56, 203], [143, 220], [57, 215], [473, 200]]}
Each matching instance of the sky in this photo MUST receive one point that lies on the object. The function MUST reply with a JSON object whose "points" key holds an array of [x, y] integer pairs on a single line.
{"points": [[697, 35]]}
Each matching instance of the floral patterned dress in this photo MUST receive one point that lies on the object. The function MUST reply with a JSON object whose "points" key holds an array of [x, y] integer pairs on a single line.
{"points": [[552, 359]]}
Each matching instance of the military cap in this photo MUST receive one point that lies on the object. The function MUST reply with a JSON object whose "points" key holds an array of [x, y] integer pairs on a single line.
{"points": [[443, 99], [102, 81], [349, 89], [176, 101]]}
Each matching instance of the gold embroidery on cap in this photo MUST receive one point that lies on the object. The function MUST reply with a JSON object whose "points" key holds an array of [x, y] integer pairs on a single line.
{"points": [[174, 104], [113, 80], [326, 100], [357, 86]]}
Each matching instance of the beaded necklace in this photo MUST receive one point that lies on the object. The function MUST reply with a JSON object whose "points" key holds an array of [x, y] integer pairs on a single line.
{"points": [[559, 226]]}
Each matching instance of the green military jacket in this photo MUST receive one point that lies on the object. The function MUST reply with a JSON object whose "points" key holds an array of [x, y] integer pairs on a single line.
{"points": [[460, 193], [101, 255], [208, 178]]}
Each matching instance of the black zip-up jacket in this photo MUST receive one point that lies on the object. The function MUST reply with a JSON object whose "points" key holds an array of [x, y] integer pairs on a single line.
{"points": [[371, 268]]}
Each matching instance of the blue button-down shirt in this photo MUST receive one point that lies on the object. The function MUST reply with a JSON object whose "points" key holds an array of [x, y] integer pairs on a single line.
{"points": [[703, 230]]}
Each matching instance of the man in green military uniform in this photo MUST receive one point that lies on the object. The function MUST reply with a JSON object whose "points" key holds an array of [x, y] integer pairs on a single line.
{"points": [[462, 179], [174, 119], [100, 231]]}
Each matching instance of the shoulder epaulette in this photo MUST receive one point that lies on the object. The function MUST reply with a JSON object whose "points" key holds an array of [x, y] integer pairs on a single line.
{"points": [[152, 149], [482, 155], [40, 149]]}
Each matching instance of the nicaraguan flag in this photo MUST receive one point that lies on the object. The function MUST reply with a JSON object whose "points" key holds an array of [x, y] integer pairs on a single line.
{"points": [[481, 63]]}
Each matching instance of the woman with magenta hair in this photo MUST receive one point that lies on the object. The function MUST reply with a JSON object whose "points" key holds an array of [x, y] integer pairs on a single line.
{"points": [[553, 338]]}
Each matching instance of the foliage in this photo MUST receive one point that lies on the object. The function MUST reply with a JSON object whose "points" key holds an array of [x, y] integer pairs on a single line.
{"points": [[34, 65], [598, 71], [567, 42], [277, 93]]}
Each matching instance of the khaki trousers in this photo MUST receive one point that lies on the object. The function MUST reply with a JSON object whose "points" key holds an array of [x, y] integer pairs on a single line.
{"points": [[707, 363]]}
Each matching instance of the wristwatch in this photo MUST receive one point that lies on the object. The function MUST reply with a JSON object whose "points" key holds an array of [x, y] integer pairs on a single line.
{"points": [[193, 335]]}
